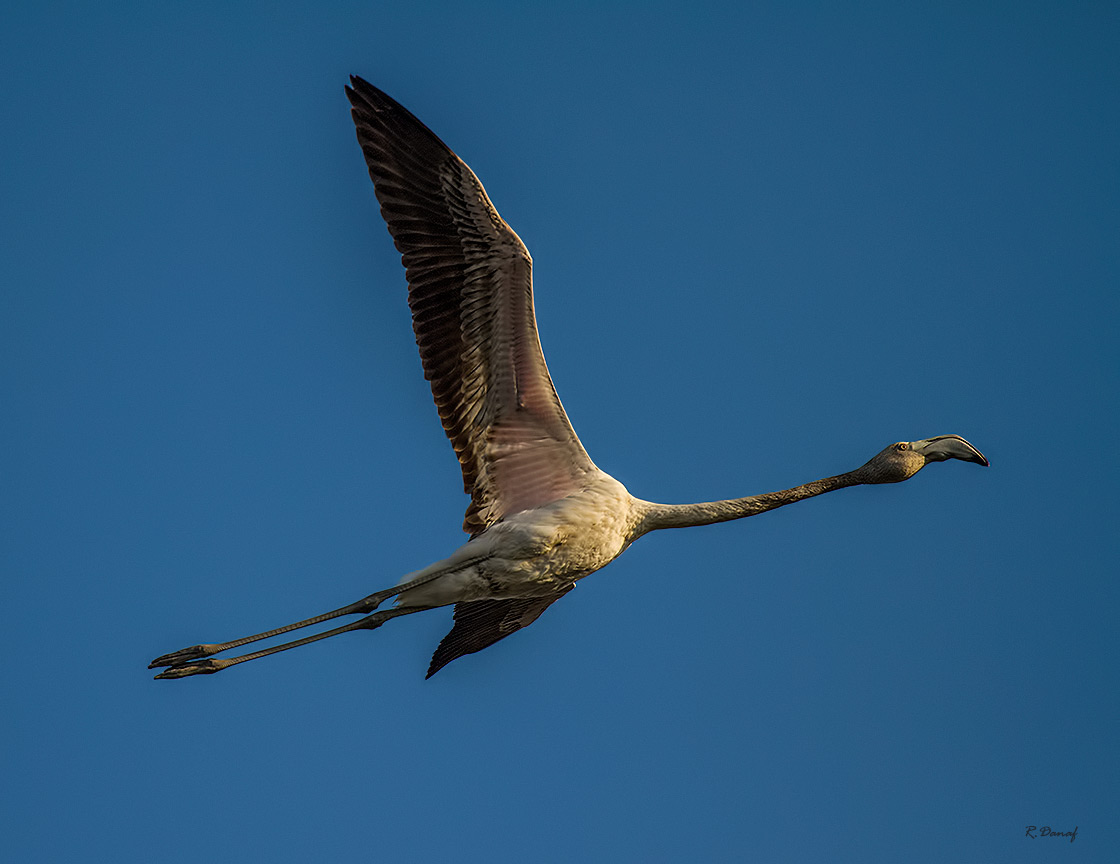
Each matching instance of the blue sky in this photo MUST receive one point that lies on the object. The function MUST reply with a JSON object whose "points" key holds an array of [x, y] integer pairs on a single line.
{"points": [[769, 239]]}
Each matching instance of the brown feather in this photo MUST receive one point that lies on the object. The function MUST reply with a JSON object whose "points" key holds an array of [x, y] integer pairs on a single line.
{"points": [[481, 623], [471, 295]]}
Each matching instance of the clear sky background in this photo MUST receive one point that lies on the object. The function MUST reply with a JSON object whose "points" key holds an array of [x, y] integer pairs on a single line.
{"points": [[770, 239]]}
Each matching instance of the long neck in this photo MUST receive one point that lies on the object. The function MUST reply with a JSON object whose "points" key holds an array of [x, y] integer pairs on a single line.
{"points": [[660, 516]]}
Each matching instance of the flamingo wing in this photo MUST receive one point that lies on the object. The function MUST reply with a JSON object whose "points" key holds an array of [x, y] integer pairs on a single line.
{"points": [[471, 294], [481, 623]]}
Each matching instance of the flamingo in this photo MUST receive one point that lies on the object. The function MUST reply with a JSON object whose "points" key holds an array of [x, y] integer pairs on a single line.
{"points": [[541, 515]]}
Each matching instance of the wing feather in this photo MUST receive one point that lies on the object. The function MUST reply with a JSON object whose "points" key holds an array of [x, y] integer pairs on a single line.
{"points": [[471, 295], [481, 623]]}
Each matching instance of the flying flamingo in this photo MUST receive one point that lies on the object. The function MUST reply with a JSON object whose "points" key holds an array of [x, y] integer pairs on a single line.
{"points": [[542, 515]]}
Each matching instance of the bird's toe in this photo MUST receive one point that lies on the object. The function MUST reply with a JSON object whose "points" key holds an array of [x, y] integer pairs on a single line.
{"points": [[202, 667], [184, 655]]}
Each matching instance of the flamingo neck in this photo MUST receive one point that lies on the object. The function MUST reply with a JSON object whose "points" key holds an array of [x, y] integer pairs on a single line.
{"points": [[660, 516]]}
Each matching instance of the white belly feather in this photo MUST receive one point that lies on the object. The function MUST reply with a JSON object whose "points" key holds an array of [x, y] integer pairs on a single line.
{"points": [[533, 553]]}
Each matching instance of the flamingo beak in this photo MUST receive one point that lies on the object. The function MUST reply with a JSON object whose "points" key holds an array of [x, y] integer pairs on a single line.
{"points": [[944, 447]]}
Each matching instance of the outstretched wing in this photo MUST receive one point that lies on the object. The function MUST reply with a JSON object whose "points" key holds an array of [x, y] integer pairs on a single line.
{"points": [[471, 294], [481, 623]]}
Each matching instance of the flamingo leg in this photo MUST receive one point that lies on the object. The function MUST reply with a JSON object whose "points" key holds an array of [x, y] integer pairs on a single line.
{"points": [[196, 652], [208, 666], [360, 607]]}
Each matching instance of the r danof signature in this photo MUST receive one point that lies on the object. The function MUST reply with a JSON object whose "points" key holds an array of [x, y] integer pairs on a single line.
{"points": [[1034, 832]]}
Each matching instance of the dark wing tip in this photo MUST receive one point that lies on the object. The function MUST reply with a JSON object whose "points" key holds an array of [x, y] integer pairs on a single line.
{"points": [[359, 87], [385, 123], [362, 94], [481, 623]]}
